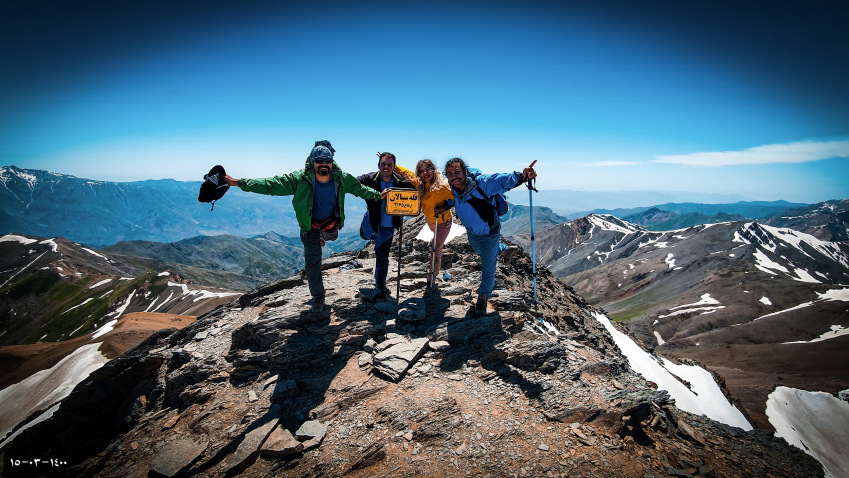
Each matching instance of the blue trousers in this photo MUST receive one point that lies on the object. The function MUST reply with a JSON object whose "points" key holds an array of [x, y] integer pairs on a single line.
{"points": [[488, 247], [382, 248]]}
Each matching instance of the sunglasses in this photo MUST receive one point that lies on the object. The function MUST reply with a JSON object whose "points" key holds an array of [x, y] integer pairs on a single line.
{"points": [[323, 161]]}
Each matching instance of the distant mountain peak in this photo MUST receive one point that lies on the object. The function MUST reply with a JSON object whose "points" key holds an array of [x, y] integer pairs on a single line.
{"points": [[612, 223]]}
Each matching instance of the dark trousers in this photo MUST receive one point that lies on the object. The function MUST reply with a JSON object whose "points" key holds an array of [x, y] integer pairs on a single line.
{"points": [[382, 248], [312, 261]]}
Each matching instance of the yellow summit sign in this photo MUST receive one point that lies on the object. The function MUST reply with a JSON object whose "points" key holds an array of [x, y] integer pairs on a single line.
{"points": [[402, 202]]}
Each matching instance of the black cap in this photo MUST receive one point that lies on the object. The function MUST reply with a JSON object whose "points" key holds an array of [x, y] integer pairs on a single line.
{"points": [[214, 185]]}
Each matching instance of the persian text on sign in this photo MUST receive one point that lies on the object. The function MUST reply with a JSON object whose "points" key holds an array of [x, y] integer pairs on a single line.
{"points": [[402, 202]]}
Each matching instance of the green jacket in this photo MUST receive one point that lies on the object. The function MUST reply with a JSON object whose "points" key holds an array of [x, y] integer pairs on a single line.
{"points": [[299, 184]]}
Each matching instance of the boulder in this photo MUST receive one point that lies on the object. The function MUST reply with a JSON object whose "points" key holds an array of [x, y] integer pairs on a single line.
{"points": [[248, 449], [176, 458], [281, 442], [412, 310], [395, 360]]}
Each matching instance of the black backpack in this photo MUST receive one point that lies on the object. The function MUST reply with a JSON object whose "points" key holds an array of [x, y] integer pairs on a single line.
{"points": [[490, 207], [214, 186]]}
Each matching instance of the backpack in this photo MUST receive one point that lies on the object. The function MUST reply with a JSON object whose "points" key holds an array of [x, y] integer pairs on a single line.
{"points": [[489, 208]]}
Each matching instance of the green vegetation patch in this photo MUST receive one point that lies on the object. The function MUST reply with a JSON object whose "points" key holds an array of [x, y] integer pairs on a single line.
{"points": [[37, 283]]}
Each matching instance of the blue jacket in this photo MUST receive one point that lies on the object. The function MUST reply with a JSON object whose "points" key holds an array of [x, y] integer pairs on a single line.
{"points": [[491, 184]]}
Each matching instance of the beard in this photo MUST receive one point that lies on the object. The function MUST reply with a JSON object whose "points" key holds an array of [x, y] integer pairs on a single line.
{"points": [[323, 171]]}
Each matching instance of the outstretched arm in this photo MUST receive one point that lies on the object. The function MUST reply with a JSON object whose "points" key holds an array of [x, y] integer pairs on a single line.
{"points": [[277, 186], [354, 186], [407, 174]]}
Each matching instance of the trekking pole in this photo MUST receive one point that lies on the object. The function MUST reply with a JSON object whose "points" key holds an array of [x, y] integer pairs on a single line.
{"points": [[400, 240], [432, 281], [531, 190]]}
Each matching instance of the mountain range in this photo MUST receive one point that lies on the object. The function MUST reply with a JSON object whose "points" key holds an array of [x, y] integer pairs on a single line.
{"points": [[264, 387], [580, 203], [259, 259], [53, 290], [748, 209], [102, 213], [706, 291]]}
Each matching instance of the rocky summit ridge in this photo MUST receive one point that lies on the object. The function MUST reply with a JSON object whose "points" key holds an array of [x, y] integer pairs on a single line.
{"points": [[263, 387]]}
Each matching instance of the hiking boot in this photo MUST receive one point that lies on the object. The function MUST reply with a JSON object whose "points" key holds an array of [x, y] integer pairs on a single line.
{"points": [[431, 282], [319, 305], [382, 293], [508, 254], [480, 305]]}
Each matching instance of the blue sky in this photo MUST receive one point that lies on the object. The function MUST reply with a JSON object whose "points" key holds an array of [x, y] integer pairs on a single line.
{"points": [[750, 100]]}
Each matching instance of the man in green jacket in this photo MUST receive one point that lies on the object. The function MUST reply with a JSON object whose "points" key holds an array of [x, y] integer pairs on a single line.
{"points": [[319, 202]]}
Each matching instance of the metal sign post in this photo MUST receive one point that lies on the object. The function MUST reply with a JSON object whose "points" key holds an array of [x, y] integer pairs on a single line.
{"points": [[401, 202]]}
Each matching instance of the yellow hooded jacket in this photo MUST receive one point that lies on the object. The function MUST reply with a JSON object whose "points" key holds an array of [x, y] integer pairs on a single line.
{"points": [[437, 193]]}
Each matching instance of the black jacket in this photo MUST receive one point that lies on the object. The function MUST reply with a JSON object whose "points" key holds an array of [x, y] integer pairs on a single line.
{"points": [[372, 180]]}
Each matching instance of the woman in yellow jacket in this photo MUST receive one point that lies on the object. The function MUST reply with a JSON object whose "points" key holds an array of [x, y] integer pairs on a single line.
{"points": [[433, 191]]}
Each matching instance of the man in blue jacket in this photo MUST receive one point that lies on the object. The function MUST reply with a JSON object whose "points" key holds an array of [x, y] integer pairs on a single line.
{"points": [[474, 204]]}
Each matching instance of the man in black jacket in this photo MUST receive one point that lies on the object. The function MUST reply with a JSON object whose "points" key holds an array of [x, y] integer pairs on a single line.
{"points": [[377, 225]]}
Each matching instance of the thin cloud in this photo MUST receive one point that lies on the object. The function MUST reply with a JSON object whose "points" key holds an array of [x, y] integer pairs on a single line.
{"points": [[799, 152]]}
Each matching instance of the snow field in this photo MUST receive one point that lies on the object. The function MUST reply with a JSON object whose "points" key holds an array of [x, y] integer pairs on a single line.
{"points": [[44, 388], [816, 422], [703, 398]]}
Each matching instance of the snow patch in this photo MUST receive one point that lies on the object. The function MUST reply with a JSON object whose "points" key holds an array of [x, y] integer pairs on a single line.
{"points": [[816, 422], [51, 243], [703, 398], [426, 234], [835, 294], [117, 314], [47, 387], [804, 276], [765, 301], [545, 327], [800, 306], [78, 305], [836, 331], [660, 340], [704, 310], [607, 225], [705, 299], [94, 253], [109, 327], [797, 239], [200, 293], [670, 261], [767, 265], [15, 238], [104, 281]]}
